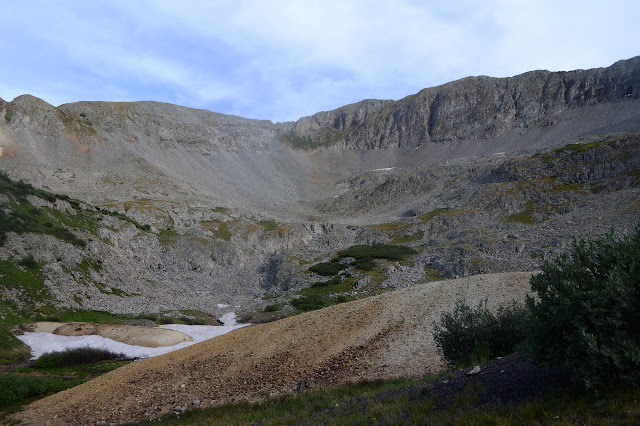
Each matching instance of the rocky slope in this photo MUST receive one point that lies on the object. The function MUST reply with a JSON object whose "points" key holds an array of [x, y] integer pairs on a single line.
{"points": [[374, 338], [477, 174]]}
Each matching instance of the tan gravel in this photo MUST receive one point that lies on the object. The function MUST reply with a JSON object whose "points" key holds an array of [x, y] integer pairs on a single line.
{"points": [[129, 334], [379, 337]]}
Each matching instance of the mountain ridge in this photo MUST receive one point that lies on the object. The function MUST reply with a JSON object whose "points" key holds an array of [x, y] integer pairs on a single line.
{"points": [[239, 209], [567, 89]]}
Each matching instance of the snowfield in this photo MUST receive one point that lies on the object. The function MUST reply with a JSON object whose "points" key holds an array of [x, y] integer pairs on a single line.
{"points": [[41, 343]]}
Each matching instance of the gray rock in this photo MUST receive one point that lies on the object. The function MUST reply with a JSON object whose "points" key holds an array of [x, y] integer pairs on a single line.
{"points": [[475, 370]]}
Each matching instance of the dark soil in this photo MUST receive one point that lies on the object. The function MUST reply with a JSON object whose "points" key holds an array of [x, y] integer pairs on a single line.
{"points": [[506, 380]]}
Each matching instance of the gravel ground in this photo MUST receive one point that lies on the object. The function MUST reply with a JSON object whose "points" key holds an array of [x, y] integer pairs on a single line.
{"points": [[380, 337]]}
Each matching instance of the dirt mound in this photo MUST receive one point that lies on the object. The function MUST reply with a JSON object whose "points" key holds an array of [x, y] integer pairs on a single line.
{"points": [[129, 334], [379, 337]]}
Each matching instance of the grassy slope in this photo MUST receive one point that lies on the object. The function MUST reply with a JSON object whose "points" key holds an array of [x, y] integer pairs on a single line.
{"points": [[404, 401]]}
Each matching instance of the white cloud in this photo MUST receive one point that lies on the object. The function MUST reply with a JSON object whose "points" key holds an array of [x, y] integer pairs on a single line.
{"points": [[281, 59]]}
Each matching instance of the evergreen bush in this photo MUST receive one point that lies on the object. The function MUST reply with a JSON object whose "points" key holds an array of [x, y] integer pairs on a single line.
{"points": [[471, 335], [586, 311]]}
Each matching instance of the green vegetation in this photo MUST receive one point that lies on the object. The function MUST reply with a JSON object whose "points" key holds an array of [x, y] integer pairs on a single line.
{"points": [[273, 308], [29, 283], [77, 356], [327, 269], [339, 289], [98, 317], [125, 218], [366, 254], [332, 286], [29, 262], [432, 274], [222, 231], [309, 303], [326, 137], [525, 217], [269, 225], [407, 238], [8, 115], [585, 311], [472, 335], [396, 226], [400, 401], [431, 215], [576, 148], [569, 187], [16, 387], [167, 237], [270, 296], [582, 317], [272, 226], [331, 282], [297, 141], [23, 385], [25, 218]]}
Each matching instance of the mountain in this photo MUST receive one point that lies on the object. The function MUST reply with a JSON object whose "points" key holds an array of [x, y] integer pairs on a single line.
{"points": [[182, 209], [473, 109]]}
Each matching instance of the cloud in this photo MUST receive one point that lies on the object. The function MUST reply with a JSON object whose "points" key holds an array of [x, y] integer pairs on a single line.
{"points": [[281, 60]]}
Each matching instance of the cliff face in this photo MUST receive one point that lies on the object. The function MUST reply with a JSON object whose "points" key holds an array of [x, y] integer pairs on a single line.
{"points": [[474, 108]]}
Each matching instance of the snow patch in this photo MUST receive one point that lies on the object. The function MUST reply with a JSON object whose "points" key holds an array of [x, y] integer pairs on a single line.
{"points": [[41, 343], [384, 170], [229, 319]]}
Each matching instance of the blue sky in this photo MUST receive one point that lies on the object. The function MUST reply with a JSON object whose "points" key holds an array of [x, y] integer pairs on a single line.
{"points": [[281, 60]]}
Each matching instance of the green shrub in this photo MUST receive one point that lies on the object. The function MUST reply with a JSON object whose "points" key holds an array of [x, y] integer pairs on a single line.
{"points": [[191, 321], [333, 281], [586, 311], [377, 251], [470, 335], [327, 269], [309, 303], [273, 308], [28, 262], [15, 387], [364, 255], [77, 356]]}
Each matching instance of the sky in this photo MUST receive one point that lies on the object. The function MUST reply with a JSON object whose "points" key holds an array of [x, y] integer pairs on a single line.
{"points": [[282, 60]]}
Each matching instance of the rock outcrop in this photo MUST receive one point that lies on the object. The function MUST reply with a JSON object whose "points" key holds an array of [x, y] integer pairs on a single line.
{"points": [[474, 108]]}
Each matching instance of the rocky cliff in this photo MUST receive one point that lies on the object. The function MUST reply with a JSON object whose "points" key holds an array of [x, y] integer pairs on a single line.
{"points": [[474, 108]]}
